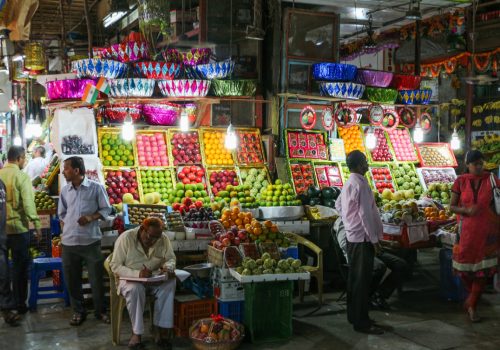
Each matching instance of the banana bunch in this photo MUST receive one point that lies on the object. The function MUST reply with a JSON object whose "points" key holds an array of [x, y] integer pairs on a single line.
{"points": [[458, 102], [477, 123], [56, 241], [489, 119], [314, 212], [477, 109], [455, 112]]}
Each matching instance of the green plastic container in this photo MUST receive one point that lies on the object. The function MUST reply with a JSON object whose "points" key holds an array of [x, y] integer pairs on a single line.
{"points": [[268, 311]]}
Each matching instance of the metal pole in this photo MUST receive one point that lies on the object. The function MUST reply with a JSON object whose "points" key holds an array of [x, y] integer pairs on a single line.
{"points": [[89, 28], [417, 46]]}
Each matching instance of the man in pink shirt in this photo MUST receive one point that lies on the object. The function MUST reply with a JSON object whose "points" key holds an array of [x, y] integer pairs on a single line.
{"points": [[363, 227]]}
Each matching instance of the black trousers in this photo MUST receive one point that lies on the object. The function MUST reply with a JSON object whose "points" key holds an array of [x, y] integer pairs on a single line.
{"points": [[399, 269], [73, 258], [7, 301], [361, 257], [18, 244]]}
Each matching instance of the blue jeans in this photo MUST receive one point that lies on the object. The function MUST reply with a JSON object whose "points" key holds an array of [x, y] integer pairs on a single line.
{"points": [[18, 244], [6, 297]]}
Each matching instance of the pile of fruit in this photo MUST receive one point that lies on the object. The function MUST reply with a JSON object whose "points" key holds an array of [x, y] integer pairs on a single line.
{"points": [[215, 151], [115, 151], [255, 178], [237, 195], [325, 196], [278, 195], [220, 179], [438, 175], [191, 174], [406, 178], [137, 213], [381, 152], [49, 169], [198, 216], [345, 171], [440, 192], [436, 156], [121, 185], [43, 201], [152, 149], [392, 197], [232, 237], [186, 204], [267, 265], [158, 181], [249, 148], [382, 178], [210, 331], [243, 221], [302, 176], [434, 214], [490, 143], [185, 148], [194, 192], [352, 139], [401, 211], [402, 145]]}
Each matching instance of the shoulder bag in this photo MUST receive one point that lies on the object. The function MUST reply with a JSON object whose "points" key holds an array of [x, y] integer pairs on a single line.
{"points": [[496, 194]]}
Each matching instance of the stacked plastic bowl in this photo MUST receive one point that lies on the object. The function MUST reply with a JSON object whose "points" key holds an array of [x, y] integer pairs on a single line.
{"points": [[377, 83], [409, 92], [337, 80]]}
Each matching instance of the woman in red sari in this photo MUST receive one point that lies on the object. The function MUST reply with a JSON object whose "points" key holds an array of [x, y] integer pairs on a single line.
{"points": [[475, 258]]}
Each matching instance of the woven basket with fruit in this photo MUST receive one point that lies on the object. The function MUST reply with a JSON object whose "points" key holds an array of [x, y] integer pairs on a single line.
{"points": [[216, 333]]}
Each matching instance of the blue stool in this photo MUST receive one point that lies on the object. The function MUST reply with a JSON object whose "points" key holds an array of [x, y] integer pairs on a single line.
{"points": [[38, 269]]}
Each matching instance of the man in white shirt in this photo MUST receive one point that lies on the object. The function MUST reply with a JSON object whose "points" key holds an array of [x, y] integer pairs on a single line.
{"points": [[38, 163], [138, 253]]}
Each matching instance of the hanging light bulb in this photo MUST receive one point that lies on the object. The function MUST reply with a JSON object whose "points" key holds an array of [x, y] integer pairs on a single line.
{"points": [[455, 141], [17, 140], [28, 130], [418, 133], [230, 141], [184, 121], [128, 129], [37, 127], [371, 139]]}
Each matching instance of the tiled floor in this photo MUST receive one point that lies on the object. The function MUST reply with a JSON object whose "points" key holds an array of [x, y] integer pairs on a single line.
{"points": [[419, 319]]}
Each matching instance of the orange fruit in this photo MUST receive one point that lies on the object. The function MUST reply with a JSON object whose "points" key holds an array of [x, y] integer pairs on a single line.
{"points": [[268, 223], [236, 210]]}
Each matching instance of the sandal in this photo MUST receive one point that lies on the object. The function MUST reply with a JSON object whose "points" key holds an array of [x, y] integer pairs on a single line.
{"points": [[11, 318], [139, 345], [77, 319], [104, 318]]}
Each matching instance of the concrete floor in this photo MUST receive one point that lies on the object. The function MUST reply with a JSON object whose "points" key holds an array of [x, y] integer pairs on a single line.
{"points": [[419, 319]]}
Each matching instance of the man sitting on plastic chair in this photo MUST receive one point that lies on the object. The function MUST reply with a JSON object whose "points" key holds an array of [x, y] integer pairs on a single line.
{"points": [[389, 271], [141, 253]]}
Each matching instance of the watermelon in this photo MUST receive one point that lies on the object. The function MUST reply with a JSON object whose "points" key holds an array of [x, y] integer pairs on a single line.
{"points": [[315, 201], [329, 203], [313, 192], [304, 198], [336, 192], [327, 193]]}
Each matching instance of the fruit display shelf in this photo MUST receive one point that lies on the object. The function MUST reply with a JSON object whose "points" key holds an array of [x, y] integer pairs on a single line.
{"points": [[250, 148], [302, 175], [436, 175], [328, 174], [381, 177], [194, 176], [53, 175], [121, 181], [151, 148], [353, 139], [344, 171], [436, 155], [219, 178], [213, 151], [306, 145], [402, 145], [382, 151], [150, 180], [184, 147], [113, 151]]}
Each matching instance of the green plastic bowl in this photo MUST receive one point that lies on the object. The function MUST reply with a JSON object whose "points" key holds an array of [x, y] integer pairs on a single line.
{"points": [[381, 95], [234, 87]]}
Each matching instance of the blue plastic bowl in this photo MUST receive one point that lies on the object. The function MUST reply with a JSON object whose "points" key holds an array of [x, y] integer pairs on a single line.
{"points": [[342, 89], [209, 71], [97, 67], [414, 97], [132, 87], [334, 71]]}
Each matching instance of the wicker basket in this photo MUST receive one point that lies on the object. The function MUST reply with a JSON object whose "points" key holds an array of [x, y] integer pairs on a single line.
{"points": [[216, 344], [215, 256]]}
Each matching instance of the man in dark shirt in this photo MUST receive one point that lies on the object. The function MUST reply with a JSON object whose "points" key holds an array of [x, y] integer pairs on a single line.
{"points": [[7, 302]]}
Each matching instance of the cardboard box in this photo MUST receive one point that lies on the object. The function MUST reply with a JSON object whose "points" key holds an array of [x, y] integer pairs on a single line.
{"points": [[229, 291]]}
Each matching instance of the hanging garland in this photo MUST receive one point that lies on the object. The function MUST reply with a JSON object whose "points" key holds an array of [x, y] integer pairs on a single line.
{"points": [[482, 62]]}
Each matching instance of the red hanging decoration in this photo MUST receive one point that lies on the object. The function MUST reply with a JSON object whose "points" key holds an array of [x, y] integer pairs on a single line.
{"points": [[407, 117], [308, 117], [345, 116], [390, 121], [425, 122]]}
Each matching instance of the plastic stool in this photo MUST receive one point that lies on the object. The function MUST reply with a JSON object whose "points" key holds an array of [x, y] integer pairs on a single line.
{"points": [[38, 269]]}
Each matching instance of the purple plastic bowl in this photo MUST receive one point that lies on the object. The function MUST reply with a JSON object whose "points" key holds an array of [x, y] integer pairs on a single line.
{"points": [[196, 56], [160, 114], [374, 78], [67, 88]]}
